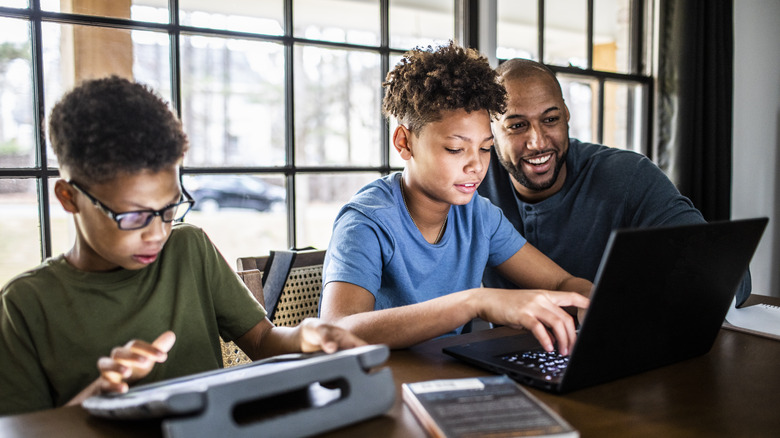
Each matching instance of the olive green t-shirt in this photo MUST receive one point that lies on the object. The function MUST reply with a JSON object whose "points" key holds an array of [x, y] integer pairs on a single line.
{"points": [[56, 321]]}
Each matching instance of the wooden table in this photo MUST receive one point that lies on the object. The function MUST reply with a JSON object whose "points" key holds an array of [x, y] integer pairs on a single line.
{"points": [[734, 390]]}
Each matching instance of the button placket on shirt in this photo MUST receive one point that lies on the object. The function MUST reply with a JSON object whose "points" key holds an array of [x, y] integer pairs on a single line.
{"points": [[529, 220]]}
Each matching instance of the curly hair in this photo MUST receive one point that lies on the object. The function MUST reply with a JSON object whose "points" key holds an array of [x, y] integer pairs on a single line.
{"points": [[428, 81], [111, 125]]}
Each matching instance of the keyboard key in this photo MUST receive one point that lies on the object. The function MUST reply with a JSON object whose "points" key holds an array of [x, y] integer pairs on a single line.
{"points": [[552, 364]]}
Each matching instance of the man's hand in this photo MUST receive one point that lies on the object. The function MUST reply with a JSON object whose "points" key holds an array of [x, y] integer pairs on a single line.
{"points": [[316, 335], [132, 362]]}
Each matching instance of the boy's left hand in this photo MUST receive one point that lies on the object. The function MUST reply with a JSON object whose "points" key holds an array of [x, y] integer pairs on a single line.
{"points": [[317, 335]]}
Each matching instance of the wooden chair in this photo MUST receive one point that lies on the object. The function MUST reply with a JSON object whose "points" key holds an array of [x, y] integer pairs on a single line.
{"points": [[249, 263], [288, 284], [292, 282], [231, 354], [299, 295]]}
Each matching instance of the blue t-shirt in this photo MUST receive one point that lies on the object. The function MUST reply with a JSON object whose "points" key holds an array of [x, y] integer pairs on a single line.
{"points": [[376, 246]]}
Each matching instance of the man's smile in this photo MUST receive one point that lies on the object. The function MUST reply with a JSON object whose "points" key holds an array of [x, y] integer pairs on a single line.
{"points": [[540, 163], [539, 159]]}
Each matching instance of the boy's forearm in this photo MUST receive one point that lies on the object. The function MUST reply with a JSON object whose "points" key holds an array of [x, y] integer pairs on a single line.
{"points": [[281, 340], [89, 391], [402, 327], [576, 284], [265, 340]]}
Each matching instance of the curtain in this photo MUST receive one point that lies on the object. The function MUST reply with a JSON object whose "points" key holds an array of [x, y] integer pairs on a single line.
{"points": [[694, 101]]}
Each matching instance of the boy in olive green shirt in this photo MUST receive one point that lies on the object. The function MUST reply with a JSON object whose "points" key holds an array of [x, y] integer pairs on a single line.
{"points": [[137, 299]]}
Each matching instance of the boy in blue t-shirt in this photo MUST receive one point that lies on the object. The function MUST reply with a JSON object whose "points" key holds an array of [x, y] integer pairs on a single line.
{"points": [[136, 299], [408, 251]]}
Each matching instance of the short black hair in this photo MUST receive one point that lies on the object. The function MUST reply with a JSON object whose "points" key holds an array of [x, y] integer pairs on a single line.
{"points": [[521, 68], [428, 81], [112, 125]]}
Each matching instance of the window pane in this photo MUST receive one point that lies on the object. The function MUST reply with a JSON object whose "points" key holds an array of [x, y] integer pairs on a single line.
{"points": [[318, 199], [343, 21], [20, 241], [243, 215], [72, 53], [565, 33], [142, 10], [337, 107], [263, 17], [233, 101], [611, 23], [579, 95], [517, 29], [15, 3], [623, 116], [151, 61], [17, 126], [415, 23]]}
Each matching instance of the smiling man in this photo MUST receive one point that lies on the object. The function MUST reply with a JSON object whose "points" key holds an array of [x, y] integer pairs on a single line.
{"points": [[563, 195]]}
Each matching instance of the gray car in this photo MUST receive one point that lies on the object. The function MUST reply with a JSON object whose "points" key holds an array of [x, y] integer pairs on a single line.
{"points": [[214, 192]]}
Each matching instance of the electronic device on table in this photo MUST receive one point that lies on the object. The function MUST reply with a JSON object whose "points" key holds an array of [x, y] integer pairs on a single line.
{"points": [[660, 296], [284, 396]]}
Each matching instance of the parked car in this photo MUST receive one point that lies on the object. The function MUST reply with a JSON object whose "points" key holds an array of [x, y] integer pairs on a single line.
{"points": [[213, 192]]}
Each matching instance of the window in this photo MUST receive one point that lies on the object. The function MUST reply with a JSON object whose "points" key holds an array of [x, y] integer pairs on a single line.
{"points": [[280, 99], [597, 49]]}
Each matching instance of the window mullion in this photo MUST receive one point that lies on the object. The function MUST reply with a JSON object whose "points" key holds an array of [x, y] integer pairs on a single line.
{"points": [[384, 67], [174, 34], [600, 112], [540, 31], [590, 34], [289, 108], [39, 120]]}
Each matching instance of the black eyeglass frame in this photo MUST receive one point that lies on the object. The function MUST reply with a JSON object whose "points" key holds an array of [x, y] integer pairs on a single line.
{"points": [[117, 217]]}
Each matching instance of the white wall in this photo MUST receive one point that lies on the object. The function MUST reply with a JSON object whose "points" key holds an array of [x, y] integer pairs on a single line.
{"points": [[756, 135]]}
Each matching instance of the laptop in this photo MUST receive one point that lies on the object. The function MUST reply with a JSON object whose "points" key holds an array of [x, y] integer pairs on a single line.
{"points": [[660, 296]]}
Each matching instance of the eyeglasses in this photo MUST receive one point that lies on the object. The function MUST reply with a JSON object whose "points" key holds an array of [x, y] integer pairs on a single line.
{"points": [[134, 220]]}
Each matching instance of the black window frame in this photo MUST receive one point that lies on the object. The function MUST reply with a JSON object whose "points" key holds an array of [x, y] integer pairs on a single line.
{"points": [[466, 29]]}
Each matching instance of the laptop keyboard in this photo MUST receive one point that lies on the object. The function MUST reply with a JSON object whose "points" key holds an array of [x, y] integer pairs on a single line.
{"points": [[551, 364]]}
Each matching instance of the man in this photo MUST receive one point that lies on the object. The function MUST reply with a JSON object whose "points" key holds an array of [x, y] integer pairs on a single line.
{"points": [[566, 196]]}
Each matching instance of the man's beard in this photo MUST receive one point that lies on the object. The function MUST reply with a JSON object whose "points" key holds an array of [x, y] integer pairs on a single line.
{"points": [[521, 177]]}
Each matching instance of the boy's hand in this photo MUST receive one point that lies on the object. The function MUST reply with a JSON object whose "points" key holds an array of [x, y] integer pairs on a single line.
{"points": [[539, 311], [132, 362], [316, 335]]}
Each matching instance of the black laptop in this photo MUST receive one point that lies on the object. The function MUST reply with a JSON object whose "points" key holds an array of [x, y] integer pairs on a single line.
{"points": [[659, 297]]}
